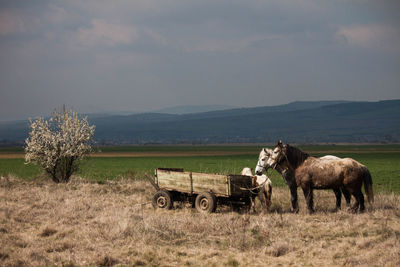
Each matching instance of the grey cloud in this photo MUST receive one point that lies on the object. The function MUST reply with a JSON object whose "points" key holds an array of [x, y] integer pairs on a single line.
{"points": [[144, 55]]}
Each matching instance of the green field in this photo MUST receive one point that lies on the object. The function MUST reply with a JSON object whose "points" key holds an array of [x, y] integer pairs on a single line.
{"points": [[233, 148], [383, 162]]}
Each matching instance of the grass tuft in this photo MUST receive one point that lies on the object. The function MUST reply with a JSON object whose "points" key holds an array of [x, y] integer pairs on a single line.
{"points": [[48, 231], [278, 249], [107, 261], [232, 262]]}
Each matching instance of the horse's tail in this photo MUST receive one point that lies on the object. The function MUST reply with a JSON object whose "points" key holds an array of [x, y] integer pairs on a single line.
{"points": [[368, 184]]}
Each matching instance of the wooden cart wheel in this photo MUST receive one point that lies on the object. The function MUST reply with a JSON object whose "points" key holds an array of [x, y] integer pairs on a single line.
{"points": [[163, 200], [206, 202]]}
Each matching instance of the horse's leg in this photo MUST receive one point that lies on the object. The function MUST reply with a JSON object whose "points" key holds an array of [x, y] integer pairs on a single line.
{"points": [[360, 197], [356, 195], [309, 196], [293, 198], [338, 195], [253, 203], [263, 200], [346, 195], [291, 182], [356, 203], [267, 198], [268, 195]]}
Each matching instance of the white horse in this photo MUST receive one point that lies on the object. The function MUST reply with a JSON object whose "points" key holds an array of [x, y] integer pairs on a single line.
{"points": [[265, 162], [263, 189]]}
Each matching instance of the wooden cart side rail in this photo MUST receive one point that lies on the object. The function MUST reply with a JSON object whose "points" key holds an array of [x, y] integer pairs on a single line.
{"points": [[171, 169]]}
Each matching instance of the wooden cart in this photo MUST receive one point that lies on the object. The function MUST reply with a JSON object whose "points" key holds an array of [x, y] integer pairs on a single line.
{"points": [[203, 190]]}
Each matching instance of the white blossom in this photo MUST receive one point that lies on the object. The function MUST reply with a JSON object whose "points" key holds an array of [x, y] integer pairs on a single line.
{"points": [[57, 144]]}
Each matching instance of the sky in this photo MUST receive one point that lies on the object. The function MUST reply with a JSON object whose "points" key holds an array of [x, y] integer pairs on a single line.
{"points": [[144, 55]]}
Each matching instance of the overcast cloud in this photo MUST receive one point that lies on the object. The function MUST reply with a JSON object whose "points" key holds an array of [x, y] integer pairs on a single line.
{"points": [[98, 56]]}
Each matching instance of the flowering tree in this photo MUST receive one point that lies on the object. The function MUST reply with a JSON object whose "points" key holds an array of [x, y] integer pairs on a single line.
{"points": [[58, 144]]}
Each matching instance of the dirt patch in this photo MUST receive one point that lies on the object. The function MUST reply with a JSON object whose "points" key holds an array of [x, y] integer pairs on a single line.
{"points": [[82, 223], [12, 155]]}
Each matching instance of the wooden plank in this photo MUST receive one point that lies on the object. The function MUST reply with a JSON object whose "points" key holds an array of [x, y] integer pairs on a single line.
{"points": [[239, 185], [173, 180], [171, 169], [210, 182]]}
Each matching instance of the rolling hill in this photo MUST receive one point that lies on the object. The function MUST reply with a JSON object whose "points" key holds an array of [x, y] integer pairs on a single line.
{"points": [[300, 122]]}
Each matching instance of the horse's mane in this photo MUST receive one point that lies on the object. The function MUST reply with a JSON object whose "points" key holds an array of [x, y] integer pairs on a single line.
{"points": [[295, 156]]}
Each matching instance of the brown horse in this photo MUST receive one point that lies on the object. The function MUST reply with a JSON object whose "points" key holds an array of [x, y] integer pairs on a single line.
{"points": [[315, 173], [265, 162]]}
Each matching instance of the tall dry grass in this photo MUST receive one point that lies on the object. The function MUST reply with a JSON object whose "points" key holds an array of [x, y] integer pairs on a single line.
{"points": [[88, 224]]}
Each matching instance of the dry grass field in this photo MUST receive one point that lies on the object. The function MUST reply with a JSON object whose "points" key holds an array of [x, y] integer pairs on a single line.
{"points": [[90, 224]]}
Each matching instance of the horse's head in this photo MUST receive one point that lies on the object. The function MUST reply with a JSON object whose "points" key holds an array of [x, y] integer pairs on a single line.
{"points": [[263, 161], [286, 155], [278, 154]]}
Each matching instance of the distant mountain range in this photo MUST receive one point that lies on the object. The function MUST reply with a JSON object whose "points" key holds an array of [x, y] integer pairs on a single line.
{"points": [[192, 109], [299, 122]]}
